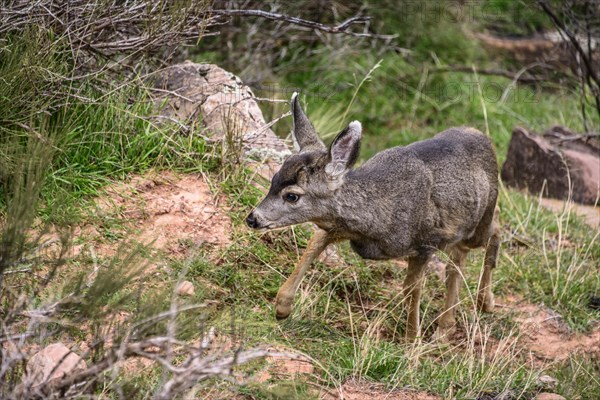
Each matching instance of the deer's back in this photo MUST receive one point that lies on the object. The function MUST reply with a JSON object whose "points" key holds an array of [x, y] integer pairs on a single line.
{"points": [[425, 195]]}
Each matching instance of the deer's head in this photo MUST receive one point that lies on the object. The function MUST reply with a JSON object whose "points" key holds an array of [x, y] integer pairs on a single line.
{"points": [[307, 182]]}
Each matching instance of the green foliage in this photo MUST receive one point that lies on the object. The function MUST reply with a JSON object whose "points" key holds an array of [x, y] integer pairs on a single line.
{"points": [[65, 133], [115, 137], [439, 372], [402, 103], [514, 18], [350, 317], [63, 136], [95, 128], [26, 140], [284, 389], [578, 377], [430, 29]]}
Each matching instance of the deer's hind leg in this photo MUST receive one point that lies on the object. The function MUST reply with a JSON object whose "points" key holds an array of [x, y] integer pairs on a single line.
{"points": [[485, 296], [454, 279]]}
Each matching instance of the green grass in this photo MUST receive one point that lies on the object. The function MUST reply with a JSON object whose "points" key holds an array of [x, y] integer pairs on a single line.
{"points": [[352, 325], [557, 267], [348, 318], [578, 377], [402, 103], [111, 139]]}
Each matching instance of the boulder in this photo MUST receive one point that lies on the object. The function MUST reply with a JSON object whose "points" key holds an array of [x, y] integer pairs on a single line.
{"points": [[193, 93], [554, 164]]}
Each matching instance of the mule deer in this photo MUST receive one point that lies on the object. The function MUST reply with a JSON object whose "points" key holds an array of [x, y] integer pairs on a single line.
{"points": [[436, 194]]}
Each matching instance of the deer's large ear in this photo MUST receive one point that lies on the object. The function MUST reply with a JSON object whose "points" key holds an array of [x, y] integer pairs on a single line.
{"points": [[304, 134], [344, 150]]}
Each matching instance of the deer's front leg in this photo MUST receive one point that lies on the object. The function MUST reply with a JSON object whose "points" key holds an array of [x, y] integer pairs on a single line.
{"points": [[412, 293], [454, 280], [285, 295]]}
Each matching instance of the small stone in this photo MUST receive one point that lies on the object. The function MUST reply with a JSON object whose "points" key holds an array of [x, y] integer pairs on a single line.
{"points": [[51, 363], [549, 396], [548, 382], [438, 267], [331, 258], [185, 288]]}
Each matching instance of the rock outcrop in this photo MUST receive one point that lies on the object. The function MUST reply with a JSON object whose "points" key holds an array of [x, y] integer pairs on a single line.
{"points": [[559, 164]]}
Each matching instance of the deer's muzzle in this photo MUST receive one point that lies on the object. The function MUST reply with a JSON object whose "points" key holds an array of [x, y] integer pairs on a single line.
{"points": [[252, 221]]}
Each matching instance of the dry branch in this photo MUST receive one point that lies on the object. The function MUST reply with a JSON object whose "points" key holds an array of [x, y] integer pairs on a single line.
{"points": [[340, 28], [195, 368], [135, 28], [584, 53]]}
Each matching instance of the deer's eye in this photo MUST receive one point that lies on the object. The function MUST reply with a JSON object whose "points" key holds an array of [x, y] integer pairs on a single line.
{"points": [[291, 197]]}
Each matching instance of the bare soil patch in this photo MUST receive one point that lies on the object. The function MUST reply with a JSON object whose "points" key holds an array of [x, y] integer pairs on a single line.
{"points": [[545, 335], [359, 390], [590, 214], [172, 213]]}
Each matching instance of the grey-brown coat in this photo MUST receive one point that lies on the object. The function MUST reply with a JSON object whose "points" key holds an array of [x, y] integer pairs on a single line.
{"points": [[436, 194]]}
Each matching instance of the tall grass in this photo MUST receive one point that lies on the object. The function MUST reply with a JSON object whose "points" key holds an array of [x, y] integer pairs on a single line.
{"points": [[96, 128], [64, 134], [349, 315], [63, 137]]}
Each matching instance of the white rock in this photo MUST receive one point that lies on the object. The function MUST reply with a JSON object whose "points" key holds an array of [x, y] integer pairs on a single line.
{"points": [[549, 396], [548, 381], [185, 288]]}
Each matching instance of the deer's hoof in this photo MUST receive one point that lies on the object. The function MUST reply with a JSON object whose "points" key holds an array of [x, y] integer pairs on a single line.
{"points": [[283, 308], [281, 317], [282, 313], [443, 334], [486, 303]]}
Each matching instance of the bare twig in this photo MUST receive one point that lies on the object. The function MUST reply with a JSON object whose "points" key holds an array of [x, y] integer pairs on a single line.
{"points": [[518, 76], [97, 29], [560, 24], [191, 371], [172, 93], [589, 73], [341, 28], [250, 135]]}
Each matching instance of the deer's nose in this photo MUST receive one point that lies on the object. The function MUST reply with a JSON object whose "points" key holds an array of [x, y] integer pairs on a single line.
{"points": [[251, 221]]}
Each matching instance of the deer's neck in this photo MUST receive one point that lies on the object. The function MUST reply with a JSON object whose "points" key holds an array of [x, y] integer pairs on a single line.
{"points": [[354, 208]]}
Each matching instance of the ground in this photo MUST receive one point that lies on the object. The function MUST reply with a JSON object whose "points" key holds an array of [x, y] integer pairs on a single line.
{"points": [[172, 213], [178, 214]]}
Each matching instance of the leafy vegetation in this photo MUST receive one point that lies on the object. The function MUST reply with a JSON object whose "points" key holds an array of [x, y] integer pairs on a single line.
{"points": [[64, 137]]}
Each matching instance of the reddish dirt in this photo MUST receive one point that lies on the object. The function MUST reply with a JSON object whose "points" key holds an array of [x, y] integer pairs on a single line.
{"points": [[590, 214], [359, 390], [543, 332], [172, 213]]}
